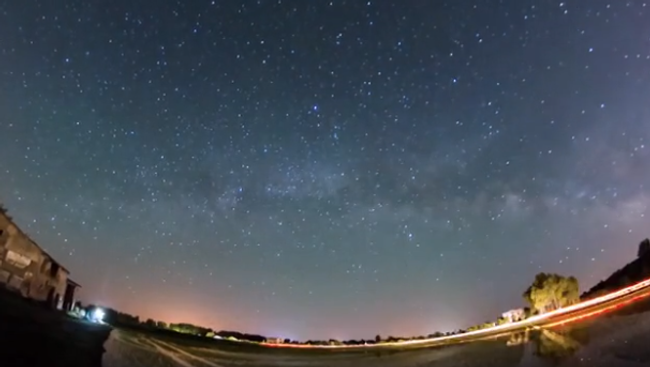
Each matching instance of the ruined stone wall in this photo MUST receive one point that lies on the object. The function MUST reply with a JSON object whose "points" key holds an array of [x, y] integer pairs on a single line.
{"points": [[24, 267]]}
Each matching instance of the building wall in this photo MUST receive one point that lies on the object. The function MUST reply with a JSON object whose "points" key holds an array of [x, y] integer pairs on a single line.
{"points": [[24, 267]]}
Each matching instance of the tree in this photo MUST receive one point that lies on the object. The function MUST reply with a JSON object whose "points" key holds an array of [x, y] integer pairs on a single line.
{"points": [[150, 323], [552, 291], [161, 324], [378, 339], [571, 291], [644, 248]]}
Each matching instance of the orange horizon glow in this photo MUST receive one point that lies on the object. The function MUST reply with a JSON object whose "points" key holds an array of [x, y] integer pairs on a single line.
{"points": [[531, 320]]}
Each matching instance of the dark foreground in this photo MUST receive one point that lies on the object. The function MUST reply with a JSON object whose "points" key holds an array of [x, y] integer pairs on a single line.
{"points": [[33, 336]]}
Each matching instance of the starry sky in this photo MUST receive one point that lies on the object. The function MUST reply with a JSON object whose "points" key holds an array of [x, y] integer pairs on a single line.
{"points": [[317, 169]]}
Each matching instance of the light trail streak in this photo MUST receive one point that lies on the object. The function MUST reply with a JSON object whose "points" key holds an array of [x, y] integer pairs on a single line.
{"points": [[505, 327], [597, 312]]}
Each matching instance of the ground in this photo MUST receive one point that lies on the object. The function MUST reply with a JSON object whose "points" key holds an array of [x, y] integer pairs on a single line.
{"points": [[32, 335], [128, 348], [607, 341]]}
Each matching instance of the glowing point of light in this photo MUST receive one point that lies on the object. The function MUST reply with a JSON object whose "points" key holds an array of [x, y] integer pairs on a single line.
{"points": [[98, 315]]}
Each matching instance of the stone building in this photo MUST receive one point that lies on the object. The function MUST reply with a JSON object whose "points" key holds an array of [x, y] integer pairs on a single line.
{"points": [[26, 268]]}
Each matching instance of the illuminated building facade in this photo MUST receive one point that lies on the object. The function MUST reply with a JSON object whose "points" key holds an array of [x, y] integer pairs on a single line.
{"points": [[26, 268]]}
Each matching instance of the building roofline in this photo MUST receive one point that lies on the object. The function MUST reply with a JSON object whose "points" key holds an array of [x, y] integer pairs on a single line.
{"points": [[72, 282], [11, 220]]}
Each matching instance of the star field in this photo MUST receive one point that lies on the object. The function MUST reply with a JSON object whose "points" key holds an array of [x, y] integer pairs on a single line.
{"points": [[326, 169]]}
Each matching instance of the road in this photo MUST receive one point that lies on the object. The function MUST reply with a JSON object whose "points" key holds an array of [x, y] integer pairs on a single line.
{"points": [[577, 312], [564, 318], [612, 342], [480, 348], [566, 315]]}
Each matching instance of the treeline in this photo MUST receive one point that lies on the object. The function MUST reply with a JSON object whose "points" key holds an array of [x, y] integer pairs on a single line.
{"points": [[377, 340], [125, 320], [547, 292], [122, 319]]}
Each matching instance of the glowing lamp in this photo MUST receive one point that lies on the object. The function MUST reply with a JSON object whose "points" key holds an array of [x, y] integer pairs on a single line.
{"points": [[98, 315]]}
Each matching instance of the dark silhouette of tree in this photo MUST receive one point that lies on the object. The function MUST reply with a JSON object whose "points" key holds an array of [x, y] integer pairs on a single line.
{"points": [[117, 318], [634, 271], [161, 324], [378, 339], [644, 248]]}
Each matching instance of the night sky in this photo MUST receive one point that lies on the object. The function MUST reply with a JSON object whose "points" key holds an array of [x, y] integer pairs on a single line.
{"points": [[317, 169]]}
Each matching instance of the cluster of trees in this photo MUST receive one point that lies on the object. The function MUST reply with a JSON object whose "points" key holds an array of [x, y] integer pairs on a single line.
{"points": [[118, 318], [123, 319], [552, 291], [156, 324], [183, 328]]}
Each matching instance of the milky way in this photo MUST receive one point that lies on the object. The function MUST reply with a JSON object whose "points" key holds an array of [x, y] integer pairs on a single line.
{"points": [[326, 169]]}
